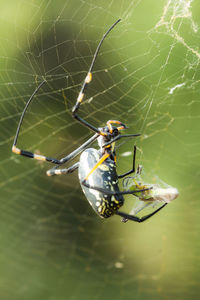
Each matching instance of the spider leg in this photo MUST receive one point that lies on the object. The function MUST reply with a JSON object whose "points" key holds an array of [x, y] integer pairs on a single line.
{"points": [[107, 192], [24, 111], [53, 160], [87, 80], [24, 152], [80, 149], [119, 137], [126, 217], [42, 157], [54, 171], [133, 168]]}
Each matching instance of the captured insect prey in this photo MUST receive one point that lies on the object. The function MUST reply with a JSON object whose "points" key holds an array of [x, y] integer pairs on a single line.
{"points": [[154, 195], [96, 167]]}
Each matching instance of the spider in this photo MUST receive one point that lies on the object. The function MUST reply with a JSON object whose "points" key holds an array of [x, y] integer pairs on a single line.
{"points": [[97, 168]]}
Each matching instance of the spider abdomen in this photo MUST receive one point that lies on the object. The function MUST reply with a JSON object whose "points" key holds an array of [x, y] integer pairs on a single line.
{"points": [[104, 177]]}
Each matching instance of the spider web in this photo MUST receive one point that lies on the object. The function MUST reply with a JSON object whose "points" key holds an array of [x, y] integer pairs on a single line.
{"points": [[53, 246]]}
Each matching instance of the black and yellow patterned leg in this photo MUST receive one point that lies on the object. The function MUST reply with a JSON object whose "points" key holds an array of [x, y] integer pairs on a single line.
{"points": [[54, 160], [24, 152], [55, 171], [87, 80], [35, 156]]}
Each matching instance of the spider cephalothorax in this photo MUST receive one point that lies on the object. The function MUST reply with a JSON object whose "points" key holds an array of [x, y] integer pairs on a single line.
{"points": [[109, 134]]}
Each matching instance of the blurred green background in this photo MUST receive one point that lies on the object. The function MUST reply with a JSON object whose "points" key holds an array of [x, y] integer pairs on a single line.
{"points": [[52, 244]]}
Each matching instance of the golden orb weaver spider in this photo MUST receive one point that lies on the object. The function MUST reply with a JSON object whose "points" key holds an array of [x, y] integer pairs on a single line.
{"points": [[97, 168]]}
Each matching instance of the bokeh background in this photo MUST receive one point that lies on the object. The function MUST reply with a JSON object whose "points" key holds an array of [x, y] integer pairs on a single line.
{"points": [[52, 244]]}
